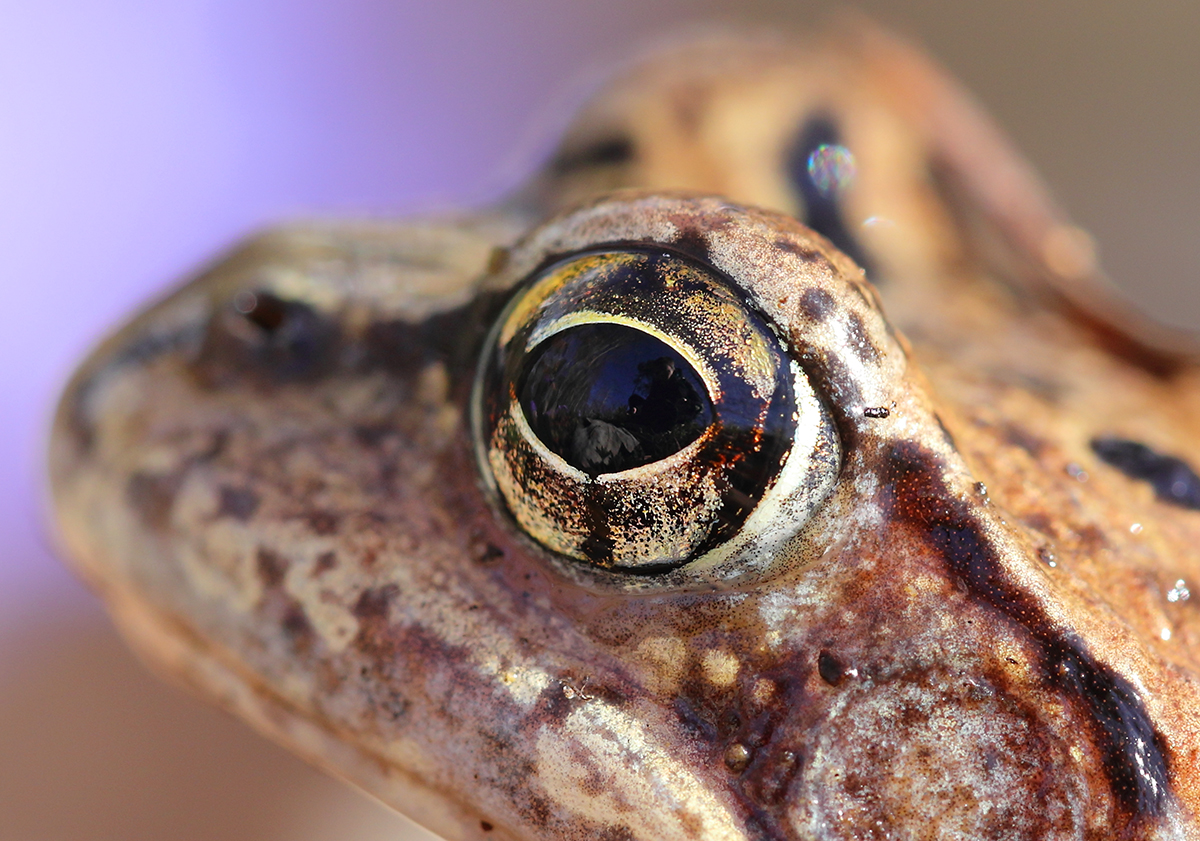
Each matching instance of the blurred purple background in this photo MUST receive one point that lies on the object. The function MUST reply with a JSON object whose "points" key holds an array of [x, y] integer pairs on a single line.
{"points": [[137, 138]]}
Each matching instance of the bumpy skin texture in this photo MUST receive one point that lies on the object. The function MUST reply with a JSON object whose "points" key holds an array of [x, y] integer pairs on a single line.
{"points": [[979, 633]]}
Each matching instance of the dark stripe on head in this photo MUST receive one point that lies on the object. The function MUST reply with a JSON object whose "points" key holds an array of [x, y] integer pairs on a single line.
{"points": [[1134, 755], [612, 150], [822, 206], [1172, 478]]}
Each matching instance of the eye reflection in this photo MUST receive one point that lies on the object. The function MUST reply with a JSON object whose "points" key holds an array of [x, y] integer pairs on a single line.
{"points": [[608, 398]]}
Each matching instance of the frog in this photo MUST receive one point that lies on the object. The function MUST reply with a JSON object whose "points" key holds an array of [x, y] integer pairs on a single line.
{"points": [[778, 463]]}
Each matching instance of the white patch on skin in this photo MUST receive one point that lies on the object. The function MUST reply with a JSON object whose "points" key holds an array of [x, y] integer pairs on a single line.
{"points": [[602, 765], [523, 683], [864, 373], [763, 692], [778, 609], [220, 560], [720, 667], [333, 623]]}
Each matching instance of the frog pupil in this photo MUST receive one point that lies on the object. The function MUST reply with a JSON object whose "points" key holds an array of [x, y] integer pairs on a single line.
{"points": [[607, 397]]}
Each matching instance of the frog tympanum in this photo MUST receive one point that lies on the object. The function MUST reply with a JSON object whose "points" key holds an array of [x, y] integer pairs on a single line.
{"points": [[777, 465]]}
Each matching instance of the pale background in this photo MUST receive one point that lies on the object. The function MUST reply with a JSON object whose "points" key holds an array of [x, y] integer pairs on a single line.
{"points": [[137, 137]]}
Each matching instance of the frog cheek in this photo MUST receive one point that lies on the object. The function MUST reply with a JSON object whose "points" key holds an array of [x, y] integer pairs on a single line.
{"points": [[638, 419]]}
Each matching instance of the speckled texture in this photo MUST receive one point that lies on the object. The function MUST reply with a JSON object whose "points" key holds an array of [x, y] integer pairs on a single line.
{"points": [[982, 629]]}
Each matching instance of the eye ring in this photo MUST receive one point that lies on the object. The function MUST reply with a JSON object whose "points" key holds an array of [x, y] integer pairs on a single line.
{"points": [[706, 448]]}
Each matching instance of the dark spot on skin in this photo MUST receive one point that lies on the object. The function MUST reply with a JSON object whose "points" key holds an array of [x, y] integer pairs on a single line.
{"points": [[392, 704], [323, 523], [324, 563], [238, 503], [822, 210], [860, 341], [1022, 438], [1040, 521], [271, 568], [1091, 539], [831, 669], [538, 811], [296, 624], [152, 495], [373, 603], [805, 253], [693, 243], [269, 339], [555, 702], [498, 259], [373, 434], [1133, 753], [816, 304], [371, 610], [280, 608], [1172, 478], [485, 552], [876, 412], [486, 826], [613, 150], [690, 824]]}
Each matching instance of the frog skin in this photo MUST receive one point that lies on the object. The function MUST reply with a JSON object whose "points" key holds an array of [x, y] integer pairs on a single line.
{"points": [[955, 607]]}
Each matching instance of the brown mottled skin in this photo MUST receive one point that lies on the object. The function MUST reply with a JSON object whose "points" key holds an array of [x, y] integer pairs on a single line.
{"points": [[977, 634]]}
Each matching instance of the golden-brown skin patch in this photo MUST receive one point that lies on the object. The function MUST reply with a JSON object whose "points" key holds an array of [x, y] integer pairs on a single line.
{"points": [[982, 630]]}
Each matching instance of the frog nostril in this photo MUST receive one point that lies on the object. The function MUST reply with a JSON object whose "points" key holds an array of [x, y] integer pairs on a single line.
{"points": [[268, 337], [261, 309], [608, 150]]}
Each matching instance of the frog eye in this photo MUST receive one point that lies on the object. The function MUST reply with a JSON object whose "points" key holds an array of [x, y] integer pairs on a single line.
{"points": [[635, 415]]}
